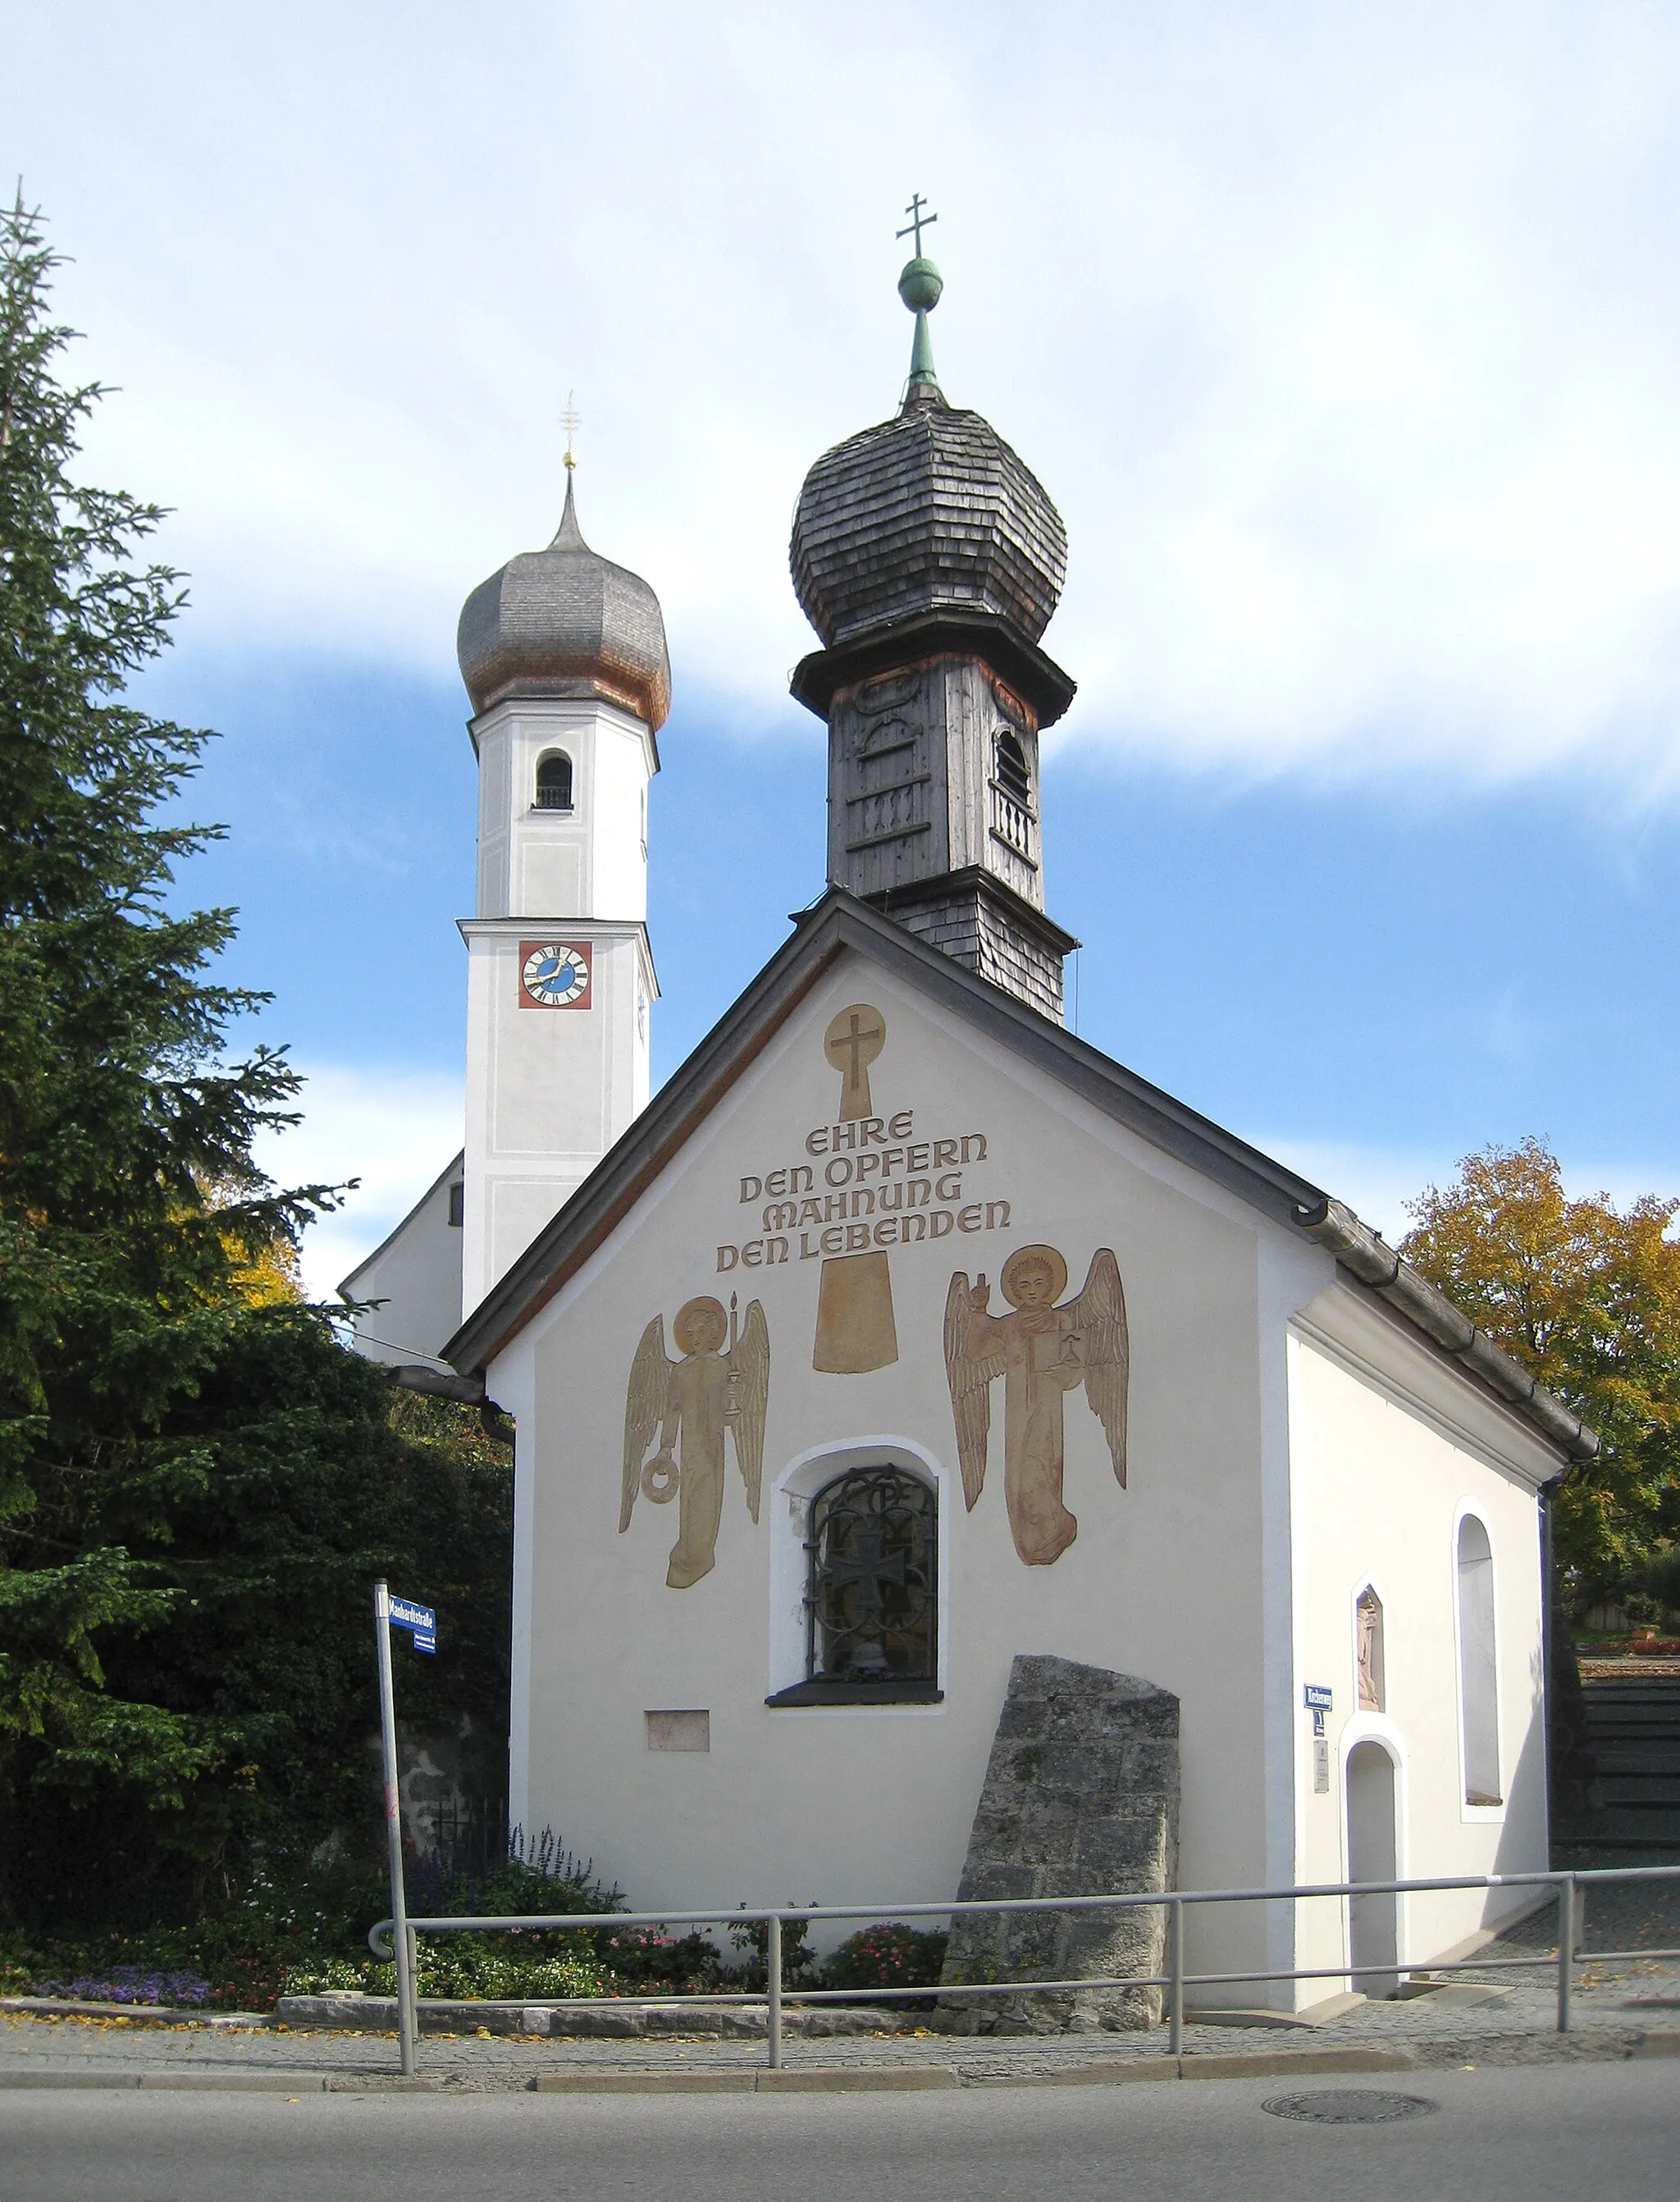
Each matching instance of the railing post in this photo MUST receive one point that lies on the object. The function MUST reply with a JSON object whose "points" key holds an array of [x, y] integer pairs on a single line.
{"points": [[414, 1987], [772, 1970], [1565, 1949], [1175, 1968]]}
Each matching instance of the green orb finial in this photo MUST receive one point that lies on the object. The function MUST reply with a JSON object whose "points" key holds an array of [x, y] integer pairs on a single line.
{"points": [[920, 285]]}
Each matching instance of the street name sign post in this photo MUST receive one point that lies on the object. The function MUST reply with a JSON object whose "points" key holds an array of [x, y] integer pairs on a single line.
{"points": [[421, 1623]]}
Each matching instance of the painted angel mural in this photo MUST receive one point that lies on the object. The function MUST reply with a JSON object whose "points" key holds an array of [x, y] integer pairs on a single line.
{"points": [[1042, 1352], [722, 1383]]}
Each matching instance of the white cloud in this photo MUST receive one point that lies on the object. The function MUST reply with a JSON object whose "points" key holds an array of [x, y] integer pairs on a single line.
{"points": [[1344, 336], [394, 1129]]}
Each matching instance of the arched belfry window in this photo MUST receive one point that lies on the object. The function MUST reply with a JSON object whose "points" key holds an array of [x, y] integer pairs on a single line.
{"points": [[872, 1590], [1478, 1665], [553, 781], [1013, 776]]}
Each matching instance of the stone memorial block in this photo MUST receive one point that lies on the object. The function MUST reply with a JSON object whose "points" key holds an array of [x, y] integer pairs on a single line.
{"points": [[1080, 1798]]}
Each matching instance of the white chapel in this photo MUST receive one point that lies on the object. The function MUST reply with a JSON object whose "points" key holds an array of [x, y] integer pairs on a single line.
{"points": [[945, 1463]]}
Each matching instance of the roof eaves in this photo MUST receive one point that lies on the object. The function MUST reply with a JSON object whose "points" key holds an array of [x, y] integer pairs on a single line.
{"points": [[840, 921], [1375, 1265]]}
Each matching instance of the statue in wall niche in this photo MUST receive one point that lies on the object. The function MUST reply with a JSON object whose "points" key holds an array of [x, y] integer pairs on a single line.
{"points": [[721, 1383], [1043, 1351], [1372, 1695]]}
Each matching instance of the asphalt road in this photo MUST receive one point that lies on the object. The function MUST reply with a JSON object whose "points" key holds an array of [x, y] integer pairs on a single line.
{"points": [[1589, 2131]]}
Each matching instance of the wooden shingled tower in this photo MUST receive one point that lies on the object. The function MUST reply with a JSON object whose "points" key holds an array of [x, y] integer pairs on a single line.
{"points": [[930, 559]]}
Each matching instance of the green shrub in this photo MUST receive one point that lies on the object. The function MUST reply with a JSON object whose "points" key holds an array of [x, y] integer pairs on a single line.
{"points": [[890, 1955]]}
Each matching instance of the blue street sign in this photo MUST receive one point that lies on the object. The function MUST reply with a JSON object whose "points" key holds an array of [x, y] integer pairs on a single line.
{"points": [[405, 1614], [1317, 1695], [423, 1643]]}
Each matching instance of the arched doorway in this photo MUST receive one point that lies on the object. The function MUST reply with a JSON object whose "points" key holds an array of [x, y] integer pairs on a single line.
{"points": [[1373, 1920]]}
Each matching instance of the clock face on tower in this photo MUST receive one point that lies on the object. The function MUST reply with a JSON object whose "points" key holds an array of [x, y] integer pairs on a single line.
{"points": [[554, 975]]}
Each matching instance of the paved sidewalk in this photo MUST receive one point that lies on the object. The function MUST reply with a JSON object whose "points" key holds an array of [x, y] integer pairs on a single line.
{"points": [[1618, 2012], [1482, 2017]]}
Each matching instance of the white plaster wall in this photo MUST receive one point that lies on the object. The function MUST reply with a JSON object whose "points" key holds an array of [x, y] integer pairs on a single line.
{"points": [[548, 1090], [1164, 1580], [1387, 1452], [587, 862], [416, 1275]]}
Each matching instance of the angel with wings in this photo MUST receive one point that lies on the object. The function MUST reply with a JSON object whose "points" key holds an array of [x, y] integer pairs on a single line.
{"points": [[691, 1403], [1042, 1352]]}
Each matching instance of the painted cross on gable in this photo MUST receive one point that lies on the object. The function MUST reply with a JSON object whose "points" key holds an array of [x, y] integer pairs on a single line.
{"points": [[852, 1042]]}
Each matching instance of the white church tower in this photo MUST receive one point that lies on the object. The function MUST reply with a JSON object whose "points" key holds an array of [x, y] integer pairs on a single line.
{"points": [[564, 657]]}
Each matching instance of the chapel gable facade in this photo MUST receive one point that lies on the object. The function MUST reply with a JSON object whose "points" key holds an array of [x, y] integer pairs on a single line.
{"points": [[912, 1401]]}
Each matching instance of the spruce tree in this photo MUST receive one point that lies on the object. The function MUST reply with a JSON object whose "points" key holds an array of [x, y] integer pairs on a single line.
{"points": [[197, 1481]]}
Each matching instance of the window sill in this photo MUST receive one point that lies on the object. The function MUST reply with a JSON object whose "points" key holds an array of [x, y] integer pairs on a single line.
{"points": [[858, 1693]]}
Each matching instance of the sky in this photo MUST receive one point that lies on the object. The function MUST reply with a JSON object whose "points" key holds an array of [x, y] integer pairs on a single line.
{"points": [[1344, 337]]}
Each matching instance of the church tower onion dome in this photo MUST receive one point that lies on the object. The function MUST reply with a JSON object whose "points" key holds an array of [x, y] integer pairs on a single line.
{"points": [[565, 621], [932, 512]]}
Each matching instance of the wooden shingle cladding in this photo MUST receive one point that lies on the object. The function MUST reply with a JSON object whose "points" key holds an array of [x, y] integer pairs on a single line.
{"points": [[931, 511]]}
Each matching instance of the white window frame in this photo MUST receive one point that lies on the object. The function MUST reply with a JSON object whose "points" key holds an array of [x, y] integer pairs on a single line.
{"points": [[553, 809], [1469, 1509], [794, 1488]]}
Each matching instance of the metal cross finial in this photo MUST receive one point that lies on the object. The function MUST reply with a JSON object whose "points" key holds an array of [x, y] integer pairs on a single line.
{"points": [[569, 420], [918, 221]]}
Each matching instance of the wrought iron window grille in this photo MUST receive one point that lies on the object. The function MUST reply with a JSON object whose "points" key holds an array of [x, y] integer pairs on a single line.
{"points": [[554, 782], [871, 1593]]}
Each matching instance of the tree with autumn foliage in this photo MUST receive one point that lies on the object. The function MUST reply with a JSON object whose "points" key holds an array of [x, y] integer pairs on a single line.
{"points": [[1587, 1297], [198, 1484]]}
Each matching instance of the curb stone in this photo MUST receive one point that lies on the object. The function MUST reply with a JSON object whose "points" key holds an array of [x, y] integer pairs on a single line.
{"points": [[644, 2083], [1242, 2064], [259, 2083], [598, 2020], [1112, 2072], [143, 2014], [843, 2079], [809, 2080], [1661, 2041]]}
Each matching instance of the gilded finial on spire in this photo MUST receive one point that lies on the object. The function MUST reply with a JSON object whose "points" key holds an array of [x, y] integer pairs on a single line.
{"points": [[920, 285], [570, 421]]}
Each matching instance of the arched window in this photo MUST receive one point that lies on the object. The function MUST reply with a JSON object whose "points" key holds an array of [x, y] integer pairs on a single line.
{"points": [[870, 1600], [553, 781], [1373, 1663], [1013, 776], [1478, 1665]]}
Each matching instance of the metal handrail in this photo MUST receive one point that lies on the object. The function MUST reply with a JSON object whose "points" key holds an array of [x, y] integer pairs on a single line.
{"points": [[1175, 1979]]}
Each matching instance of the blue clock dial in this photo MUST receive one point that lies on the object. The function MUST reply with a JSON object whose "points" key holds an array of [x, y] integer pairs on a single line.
{"points": [[556, 974]]}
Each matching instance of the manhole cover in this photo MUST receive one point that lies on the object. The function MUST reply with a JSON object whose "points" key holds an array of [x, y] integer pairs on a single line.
{"points": [[1348, 2106]]}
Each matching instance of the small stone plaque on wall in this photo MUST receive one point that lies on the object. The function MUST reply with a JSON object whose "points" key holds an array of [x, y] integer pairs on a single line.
{"points": [[678, 1731]]}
